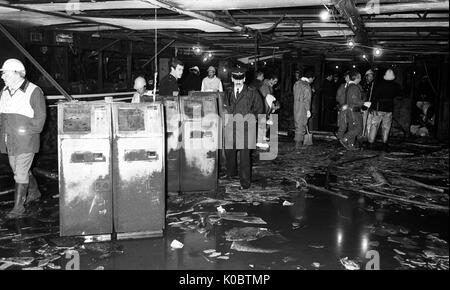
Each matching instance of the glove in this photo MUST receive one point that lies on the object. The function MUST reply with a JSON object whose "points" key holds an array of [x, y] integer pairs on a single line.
{"points": [[344, 107], [308, 114]]}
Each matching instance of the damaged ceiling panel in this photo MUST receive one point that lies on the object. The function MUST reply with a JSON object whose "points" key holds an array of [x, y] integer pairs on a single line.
{"points": [[30, 18], [79, 6], [239, 4], [145, 24], [248, 26]]}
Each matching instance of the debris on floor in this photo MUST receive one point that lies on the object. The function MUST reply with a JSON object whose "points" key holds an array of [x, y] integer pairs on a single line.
{"points": [[286, 213], [20, 261], [349, 264], [246, 234], [176, 244], [247, 247]]}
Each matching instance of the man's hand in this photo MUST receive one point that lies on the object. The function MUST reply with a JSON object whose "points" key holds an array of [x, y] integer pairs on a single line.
{"points": [[367, 104], [308, 114]]}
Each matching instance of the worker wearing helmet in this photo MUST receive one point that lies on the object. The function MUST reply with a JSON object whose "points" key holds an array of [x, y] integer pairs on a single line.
{"points": [[141, 90], [23, 113]]}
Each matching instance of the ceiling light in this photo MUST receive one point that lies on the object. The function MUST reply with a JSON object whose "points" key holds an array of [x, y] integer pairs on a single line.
{"points": [[377, 51], [197, 50], [351, 43], [324, 15]]}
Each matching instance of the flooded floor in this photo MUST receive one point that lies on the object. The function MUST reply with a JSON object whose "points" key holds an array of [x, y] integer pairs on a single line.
{"points": [[296, 215]]}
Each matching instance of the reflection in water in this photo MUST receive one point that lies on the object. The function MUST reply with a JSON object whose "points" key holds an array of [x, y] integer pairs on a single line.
{"points": [[364, 243], [340, 238], [297, 211]]}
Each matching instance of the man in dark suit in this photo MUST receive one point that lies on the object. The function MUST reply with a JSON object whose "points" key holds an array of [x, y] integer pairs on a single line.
{"points": [[242, 105], [169, 84]]}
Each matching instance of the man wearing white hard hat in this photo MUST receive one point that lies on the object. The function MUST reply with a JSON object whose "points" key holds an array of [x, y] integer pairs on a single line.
{"points": [[23, 113], [211, 83], [141, 91], [383, 105]]}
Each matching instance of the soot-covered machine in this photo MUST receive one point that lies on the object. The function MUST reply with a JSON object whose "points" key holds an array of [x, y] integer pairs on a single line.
{"points": [[138, 169], [111, 169]]}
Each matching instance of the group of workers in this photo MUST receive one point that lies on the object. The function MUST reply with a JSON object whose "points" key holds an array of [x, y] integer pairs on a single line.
{"points": [[168, 85], [363, 108], [23, 114], [254, 99]]}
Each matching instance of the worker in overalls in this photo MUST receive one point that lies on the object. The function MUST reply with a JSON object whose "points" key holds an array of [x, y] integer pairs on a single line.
{"points": [[353, 108], [340, 100]]}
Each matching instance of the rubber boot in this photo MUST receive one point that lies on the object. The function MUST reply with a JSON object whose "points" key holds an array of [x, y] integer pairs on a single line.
{"points": [[19, 200], [298, 145], [344, 143], [33, 191], [371, 146]]}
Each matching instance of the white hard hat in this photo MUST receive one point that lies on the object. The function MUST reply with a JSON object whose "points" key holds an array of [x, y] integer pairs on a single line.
{"points": [[389, 75], [13, 64], [139, 83], [195, 68]]}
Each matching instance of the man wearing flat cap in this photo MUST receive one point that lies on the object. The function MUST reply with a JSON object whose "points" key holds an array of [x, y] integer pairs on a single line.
{"points": [[211, 83], [23, 113], [241, 103]]}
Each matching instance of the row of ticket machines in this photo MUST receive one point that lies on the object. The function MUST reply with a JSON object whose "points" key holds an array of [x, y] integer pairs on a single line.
{"points": [[117, 161]]}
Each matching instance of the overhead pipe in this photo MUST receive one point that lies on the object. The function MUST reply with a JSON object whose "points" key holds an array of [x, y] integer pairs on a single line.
{"points": [[33, 61], [156, 55]]}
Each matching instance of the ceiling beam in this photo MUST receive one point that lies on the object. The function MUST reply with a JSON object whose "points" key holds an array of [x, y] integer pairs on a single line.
{"points": [[348, 11], [423, 6], [208, 17], [56, 14], [241, 4]]}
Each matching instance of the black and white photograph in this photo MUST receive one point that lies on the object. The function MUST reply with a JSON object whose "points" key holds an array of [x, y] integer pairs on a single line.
{"points": [[224, 140]]}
